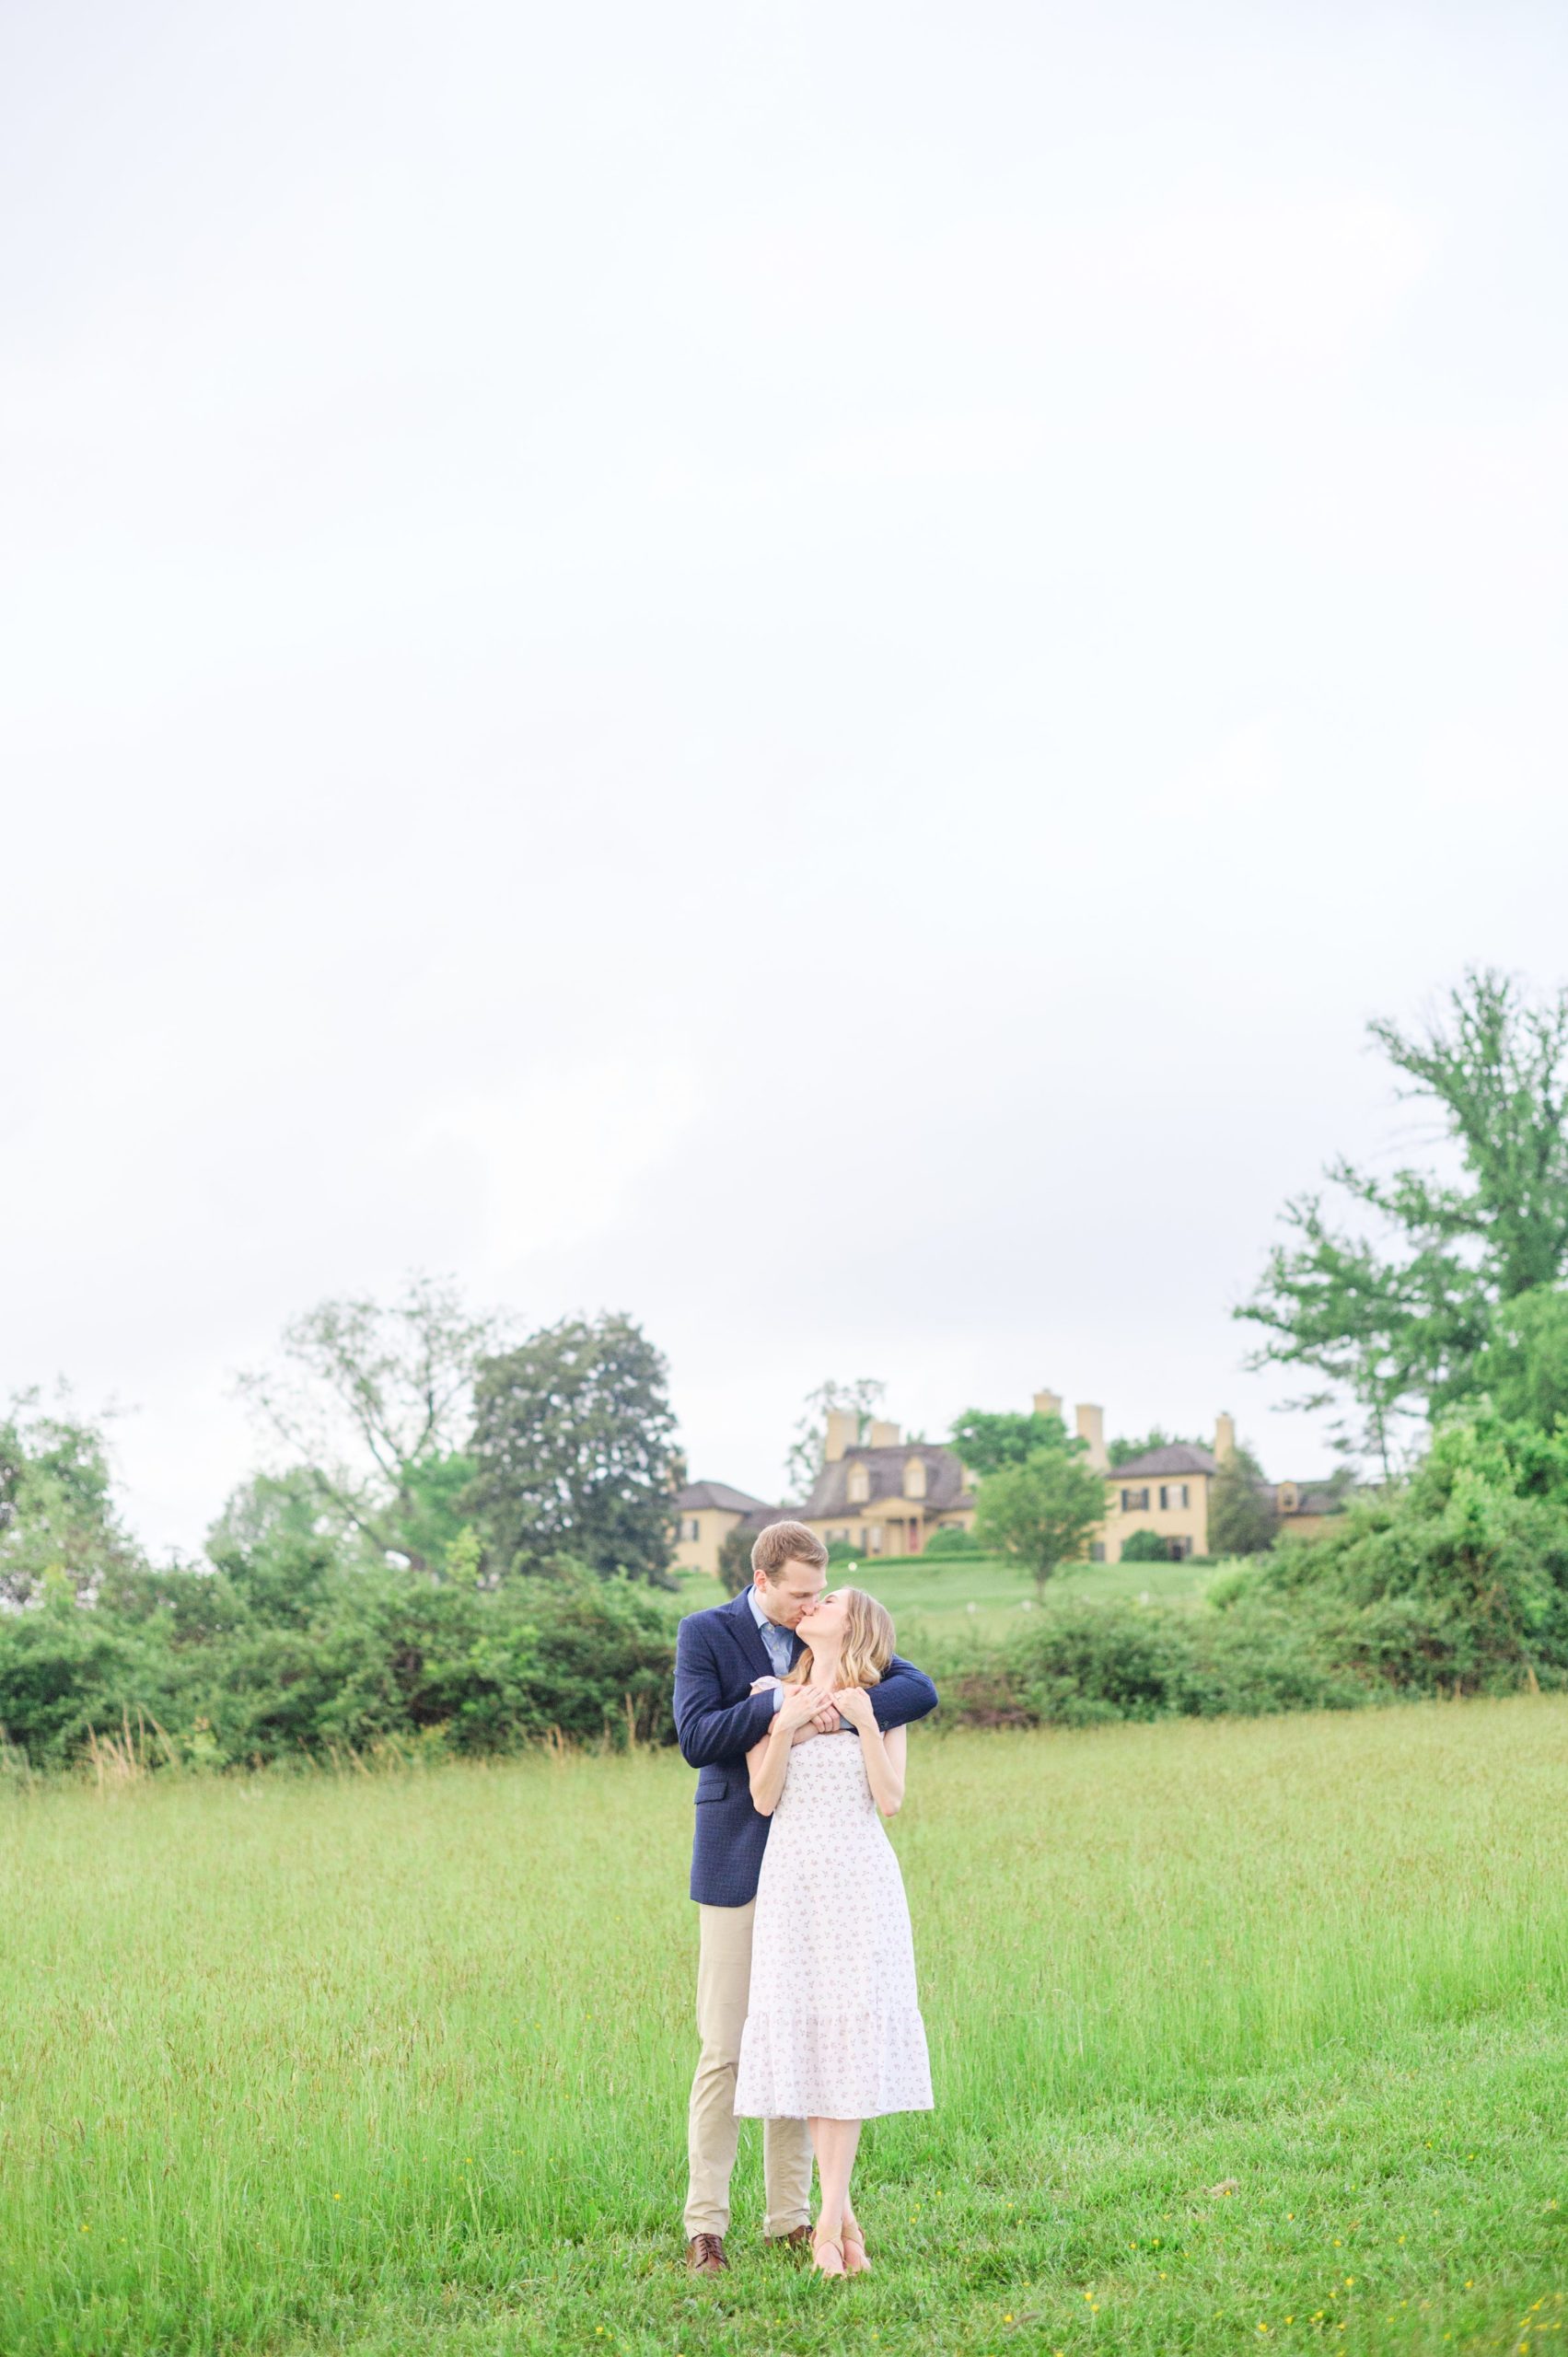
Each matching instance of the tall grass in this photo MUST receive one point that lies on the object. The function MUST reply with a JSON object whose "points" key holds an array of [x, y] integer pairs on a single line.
{"points": [[379, 2063]]}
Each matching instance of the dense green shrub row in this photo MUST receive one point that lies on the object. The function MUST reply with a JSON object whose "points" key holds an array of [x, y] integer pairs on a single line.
{"points": [[1083, 1664], [1454, 1583], [374, 1657]]}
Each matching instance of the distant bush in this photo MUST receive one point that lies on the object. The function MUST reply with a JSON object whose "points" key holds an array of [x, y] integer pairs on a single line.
{"points": [[1460, 1577], [953, 1542], [384, 1655], [1086, 1664], [1145, 1547], [1457, 1583]]}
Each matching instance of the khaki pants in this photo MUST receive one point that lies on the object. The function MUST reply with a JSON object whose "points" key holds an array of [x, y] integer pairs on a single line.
{"points": [[724, 1978]]}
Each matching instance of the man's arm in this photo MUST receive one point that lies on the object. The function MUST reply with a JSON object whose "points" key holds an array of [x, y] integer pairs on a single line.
{"points": [[708, 1731], [900, 1694]]}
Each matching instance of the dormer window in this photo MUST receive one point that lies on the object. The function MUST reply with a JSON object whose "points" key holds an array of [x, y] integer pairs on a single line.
{"points": [[859, 1485], [915, 1477]]}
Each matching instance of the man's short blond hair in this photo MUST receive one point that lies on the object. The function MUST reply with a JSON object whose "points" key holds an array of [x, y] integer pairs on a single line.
{"points": [[787, 1542]]}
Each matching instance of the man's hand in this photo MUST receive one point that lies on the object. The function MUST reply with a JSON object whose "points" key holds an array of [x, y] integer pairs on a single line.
{"points": [[826, 1721], [854, 1704]]}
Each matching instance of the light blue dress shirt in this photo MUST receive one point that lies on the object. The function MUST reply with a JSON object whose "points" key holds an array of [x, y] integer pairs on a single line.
{"points": [[779, 1644]]}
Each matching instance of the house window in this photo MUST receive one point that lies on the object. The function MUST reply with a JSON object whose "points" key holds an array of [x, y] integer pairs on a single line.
{"points": [[1180, 1549], [876, 1538], [915, 1478], [1134, 1502], [859, 1485], [1172, 1495], [1096, 1551], [693, 1529]]}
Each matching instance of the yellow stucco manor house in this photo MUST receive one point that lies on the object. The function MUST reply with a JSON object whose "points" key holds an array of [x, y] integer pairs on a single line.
{"points": [[886, 1495]]}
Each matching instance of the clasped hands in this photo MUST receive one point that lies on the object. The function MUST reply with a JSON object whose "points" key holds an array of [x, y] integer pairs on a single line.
{"points": [[830, 1707]]}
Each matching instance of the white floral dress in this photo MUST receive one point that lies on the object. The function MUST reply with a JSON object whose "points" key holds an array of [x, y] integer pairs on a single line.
{"points": [[832, 2027]]}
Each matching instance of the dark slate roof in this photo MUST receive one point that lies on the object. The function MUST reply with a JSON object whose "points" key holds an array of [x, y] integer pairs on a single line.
{"points": [[760, 1516], [698, 1495], [1181, 1458], [944, 1480]]}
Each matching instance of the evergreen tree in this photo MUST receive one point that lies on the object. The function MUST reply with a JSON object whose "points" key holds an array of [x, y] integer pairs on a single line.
{"points": [[1242, 1520]]}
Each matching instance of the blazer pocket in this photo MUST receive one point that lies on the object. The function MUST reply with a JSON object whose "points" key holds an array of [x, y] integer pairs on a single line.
{"points": [[711, 1787]]}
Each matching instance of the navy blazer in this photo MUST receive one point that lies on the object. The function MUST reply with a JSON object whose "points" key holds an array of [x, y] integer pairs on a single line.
{"points": [[717, 1720]]}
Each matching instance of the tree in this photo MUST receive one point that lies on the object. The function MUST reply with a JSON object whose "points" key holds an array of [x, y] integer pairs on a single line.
{"points": [[1121, 1452], [1396, 1322], [734, 1559], [57, 1515], [271, 1544], [804, 1460], [1242, 1520], [571, 1448], [1145, 1547], [1523, 1367], [1460, 1574], [987, 1441], [1040, 1513], [374, 1400]]}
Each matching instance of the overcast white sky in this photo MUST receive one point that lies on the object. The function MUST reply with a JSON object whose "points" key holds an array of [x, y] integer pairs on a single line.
{"points": [[797, 668]]}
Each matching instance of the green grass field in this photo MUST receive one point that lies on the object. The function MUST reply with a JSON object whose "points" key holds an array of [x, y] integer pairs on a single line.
{"points": [[399, 2063]]}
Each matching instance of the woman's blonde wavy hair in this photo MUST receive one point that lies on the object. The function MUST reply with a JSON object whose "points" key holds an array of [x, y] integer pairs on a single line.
{"points": [[868, 1643]]}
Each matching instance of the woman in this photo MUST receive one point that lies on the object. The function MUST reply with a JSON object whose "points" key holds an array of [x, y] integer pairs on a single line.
{"points": [[833, 2034]]}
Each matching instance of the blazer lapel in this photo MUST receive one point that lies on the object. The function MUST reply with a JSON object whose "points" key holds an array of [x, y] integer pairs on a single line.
{"points": [[749, 1637]]}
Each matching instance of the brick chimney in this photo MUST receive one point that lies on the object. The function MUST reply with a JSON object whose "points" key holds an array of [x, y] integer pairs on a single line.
{"points": [[1047, 1403], [1091, 1427], [843, 1431], [884, 1435], [1225, 1438]]}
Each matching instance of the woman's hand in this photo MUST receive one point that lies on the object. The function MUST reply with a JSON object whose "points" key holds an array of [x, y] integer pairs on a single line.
{"points": [[854, 1703], [800, 1706]]}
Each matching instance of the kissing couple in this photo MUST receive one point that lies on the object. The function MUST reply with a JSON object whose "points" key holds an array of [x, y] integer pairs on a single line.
{"points": [[791, 1704]]}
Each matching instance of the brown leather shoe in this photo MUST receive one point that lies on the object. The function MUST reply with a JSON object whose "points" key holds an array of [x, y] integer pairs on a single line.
{"points": [[705, 2255], [796, 2239]]}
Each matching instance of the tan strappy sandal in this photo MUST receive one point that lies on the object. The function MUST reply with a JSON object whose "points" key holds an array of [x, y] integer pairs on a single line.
{"points": [[856, 2260], [830, 2242]]}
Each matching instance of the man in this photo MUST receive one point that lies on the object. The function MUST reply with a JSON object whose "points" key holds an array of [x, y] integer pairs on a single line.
{"points": [[727, 1664]]}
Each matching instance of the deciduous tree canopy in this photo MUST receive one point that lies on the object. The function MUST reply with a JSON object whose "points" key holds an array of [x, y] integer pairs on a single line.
{"points": [[1040, 1512], [988, 1441], [571, 1447], [57, 1515], [1391, 1308], [374, 1401]]}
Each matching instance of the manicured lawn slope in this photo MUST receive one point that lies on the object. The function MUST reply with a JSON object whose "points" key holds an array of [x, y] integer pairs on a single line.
{"points": [[399, 2064], [919, 1589]]}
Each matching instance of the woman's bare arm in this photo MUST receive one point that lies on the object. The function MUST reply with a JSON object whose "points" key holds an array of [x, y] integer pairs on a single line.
{"points": [[884, 1754]]}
